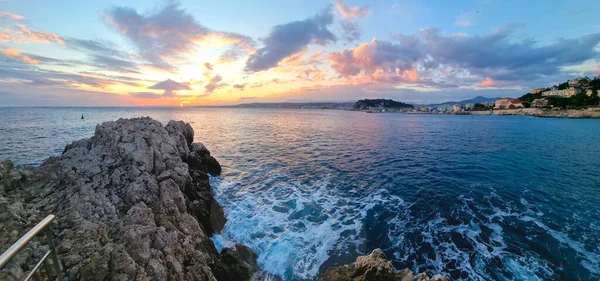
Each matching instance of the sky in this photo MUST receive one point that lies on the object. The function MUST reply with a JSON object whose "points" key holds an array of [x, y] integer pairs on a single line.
{"points": [[186, 53]]}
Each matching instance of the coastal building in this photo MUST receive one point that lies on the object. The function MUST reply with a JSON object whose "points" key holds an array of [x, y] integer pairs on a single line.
{"points": [[515, 103], [469, 106], [501, 103], [538, 103], [457, 108], [506, 103], [537, 90], [566, 93]]}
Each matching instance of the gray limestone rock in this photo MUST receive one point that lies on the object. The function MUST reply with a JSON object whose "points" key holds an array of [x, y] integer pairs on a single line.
{"points": [[374, 267], [128, 206]]}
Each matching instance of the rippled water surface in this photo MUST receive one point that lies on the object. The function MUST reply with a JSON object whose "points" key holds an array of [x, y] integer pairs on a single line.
{"points": [[478, 198]]}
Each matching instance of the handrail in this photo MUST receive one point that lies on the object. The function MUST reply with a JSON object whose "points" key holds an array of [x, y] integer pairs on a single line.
{"points": [[22, 242], [44, 225]]}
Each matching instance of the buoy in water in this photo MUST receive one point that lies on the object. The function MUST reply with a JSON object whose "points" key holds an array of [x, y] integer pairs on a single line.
{"points": [[81, 116]]}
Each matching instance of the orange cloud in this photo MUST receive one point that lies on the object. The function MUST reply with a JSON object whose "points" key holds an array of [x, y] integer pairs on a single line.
{"points": [[487, 83], [29, 60], [11, 15], [40, 36], [11, 53], [14, 53], [25, 35], [596, 69]]}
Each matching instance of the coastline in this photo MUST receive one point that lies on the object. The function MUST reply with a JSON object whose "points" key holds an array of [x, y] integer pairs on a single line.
{"points": [[589, 113]]}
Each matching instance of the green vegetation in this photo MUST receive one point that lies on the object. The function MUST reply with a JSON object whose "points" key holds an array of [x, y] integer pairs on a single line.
{"points": [[380, 103], [563, 86], [482, 107]]}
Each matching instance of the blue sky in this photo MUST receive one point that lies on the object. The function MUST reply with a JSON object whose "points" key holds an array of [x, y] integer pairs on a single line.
{"points": [[223, 52]]}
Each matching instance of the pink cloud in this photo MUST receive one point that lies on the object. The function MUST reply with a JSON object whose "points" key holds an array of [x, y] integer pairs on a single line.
{"points": [[596, 69], [490, 83], [351, 12], [11, 15]]}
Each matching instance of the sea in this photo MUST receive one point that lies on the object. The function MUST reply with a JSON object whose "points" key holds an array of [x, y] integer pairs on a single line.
{"points": [[472, 197]]}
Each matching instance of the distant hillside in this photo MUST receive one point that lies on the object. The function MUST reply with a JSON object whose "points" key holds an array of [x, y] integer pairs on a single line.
{"points": [[380, 103], [477, 99], [297, 105]]}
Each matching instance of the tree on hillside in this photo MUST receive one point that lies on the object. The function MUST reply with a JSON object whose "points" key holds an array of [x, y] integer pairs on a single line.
{"points": [[579, 99], [594, 99], [563, 86], [529, 97], [481, 107]]}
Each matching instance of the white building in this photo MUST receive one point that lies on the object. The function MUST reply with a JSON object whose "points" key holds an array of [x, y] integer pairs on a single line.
{"points": [[537, 90], [566, 93]]}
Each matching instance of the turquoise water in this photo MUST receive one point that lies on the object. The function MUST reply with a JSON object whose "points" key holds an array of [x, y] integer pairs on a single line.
{"points": [[476, 197]]}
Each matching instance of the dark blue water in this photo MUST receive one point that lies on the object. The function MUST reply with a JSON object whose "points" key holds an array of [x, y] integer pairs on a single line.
{"points": [[478, 198]]}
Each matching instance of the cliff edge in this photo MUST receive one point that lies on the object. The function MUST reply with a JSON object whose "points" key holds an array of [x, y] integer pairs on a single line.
{"points": [[133, 202]]}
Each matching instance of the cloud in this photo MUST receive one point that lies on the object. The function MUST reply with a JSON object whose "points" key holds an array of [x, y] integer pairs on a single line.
{"points": [[214, 84], [489, 83], [170, 88], [350, 31], [170, 85], [290, 38], [208, 66], [377, 54], [596, 69], [14, 53], [95, 46], [5, 14], [114, 64], [169, 34], [573, 11], [351, 12], [148, 95], [230, 55], [239, 86], [438, 57], [22, 34], [465, 19]]}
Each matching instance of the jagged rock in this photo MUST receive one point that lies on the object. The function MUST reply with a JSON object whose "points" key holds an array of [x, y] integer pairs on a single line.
{"points": [[133, 202], [374, 267], [200, 158], [239, 263]]}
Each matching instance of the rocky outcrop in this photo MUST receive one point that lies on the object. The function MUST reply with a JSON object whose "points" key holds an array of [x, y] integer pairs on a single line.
{"points": [[374, 267], [133, 202]]}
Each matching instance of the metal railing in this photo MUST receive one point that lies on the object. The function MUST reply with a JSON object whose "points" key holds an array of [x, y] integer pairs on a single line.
{"points": [[50, 269]]}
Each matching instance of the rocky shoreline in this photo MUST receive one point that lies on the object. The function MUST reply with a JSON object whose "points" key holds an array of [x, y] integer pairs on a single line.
{"points": [[134, 202], [375, 267], [545, 113]]}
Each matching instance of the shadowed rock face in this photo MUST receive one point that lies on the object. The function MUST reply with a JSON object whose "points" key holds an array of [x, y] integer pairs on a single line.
{"points": [[133, 202], [374, 267]]}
